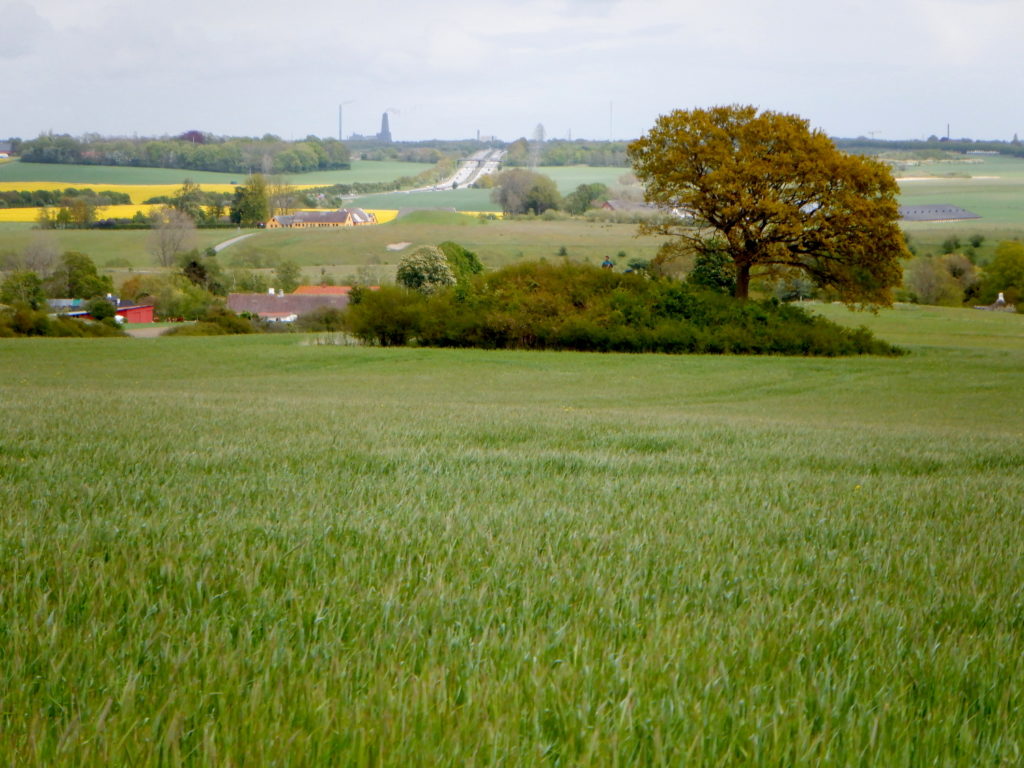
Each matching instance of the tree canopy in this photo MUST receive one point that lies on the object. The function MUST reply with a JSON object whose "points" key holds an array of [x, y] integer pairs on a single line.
{"points": [[76, 277], [425, 269], [519, 191], [776, 197], [1006, 273], [251, 206]]}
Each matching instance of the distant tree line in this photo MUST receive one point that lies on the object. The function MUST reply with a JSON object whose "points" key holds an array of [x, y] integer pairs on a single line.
{"points": [[37, 198], [863, 145], [561, 152], [191, 151]]}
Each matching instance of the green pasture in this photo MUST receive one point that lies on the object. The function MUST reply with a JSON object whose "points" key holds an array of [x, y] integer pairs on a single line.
{"points": [[496, 242], [569, 177], [103, 246], [97, 175], [260, 551], [342, 251], [458, 199], [992, 187]]}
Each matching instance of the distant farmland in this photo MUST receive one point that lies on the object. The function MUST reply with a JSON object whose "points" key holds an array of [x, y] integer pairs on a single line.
{"points": [[94, 175]]}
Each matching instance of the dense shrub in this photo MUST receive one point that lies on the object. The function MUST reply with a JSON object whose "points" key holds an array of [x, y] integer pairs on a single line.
{"points": [[574, 306], [173, 296], [464, 263], [22, 320], [217, 321], [389, 317], [322, 319]]}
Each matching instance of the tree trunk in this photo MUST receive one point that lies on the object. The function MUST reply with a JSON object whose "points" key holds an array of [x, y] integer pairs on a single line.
{"points": [[742, 280]]}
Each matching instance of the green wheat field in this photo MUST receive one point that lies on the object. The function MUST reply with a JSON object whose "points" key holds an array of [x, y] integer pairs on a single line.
{"points": [[266, 552]]}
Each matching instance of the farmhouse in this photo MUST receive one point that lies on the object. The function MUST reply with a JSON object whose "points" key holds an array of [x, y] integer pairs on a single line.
{"points": [[343, 217], [283, 308], [640, 208]]}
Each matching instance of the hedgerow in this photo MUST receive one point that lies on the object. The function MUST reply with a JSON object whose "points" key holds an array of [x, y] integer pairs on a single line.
{"points": [[579, 307]]}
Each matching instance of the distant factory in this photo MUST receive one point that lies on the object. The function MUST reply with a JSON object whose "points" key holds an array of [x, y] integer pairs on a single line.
{"points": [[384, 135]]}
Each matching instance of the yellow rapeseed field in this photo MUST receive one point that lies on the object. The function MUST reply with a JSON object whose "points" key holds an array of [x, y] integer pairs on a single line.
{"points": [[383, 217]]}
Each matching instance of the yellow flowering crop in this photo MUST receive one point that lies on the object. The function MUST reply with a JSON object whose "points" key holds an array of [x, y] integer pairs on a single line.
{"points": [[383, 216]]}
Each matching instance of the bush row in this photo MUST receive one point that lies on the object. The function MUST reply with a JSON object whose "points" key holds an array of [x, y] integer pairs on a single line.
{"points": [[579, 307], [25, 321]]}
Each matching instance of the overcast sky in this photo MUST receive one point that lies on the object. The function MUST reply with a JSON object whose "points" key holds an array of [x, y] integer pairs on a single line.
{"points": [[595, 68]]}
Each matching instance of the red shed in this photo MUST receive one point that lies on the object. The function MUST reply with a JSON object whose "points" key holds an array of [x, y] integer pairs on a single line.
{"points": [[137, 313]]}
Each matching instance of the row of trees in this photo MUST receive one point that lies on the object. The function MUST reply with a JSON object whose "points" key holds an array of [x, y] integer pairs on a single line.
{"points": [[74, 276], [36, 198], [192, 151], [522, 152]]}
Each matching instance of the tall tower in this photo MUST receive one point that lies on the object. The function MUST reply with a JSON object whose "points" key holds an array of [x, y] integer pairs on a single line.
{"points": [[385, 131]]}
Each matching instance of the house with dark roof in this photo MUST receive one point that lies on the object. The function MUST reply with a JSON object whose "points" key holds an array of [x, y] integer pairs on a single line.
{"points": [[280, 307], [343, 217]]}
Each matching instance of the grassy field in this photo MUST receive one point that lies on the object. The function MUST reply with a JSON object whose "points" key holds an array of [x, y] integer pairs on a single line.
{"points": [[496, 242], [253, 551], [102, 175], [129, 246], [340, 252], [992, 187]]}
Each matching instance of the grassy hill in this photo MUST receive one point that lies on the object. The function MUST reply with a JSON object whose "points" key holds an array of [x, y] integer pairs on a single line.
{"points": [[256, 550]]}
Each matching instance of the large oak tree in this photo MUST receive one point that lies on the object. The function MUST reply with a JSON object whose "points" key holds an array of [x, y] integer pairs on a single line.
{"points": [[775, 197]]}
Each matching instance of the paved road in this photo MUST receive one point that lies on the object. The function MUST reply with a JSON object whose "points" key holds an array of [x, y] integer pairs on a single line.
{"points": [[221, 246]]}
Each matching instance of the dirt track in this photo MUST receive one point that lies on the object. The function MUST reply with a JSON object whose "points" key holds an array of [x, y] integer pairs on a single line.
{"points": [[146, 333]]}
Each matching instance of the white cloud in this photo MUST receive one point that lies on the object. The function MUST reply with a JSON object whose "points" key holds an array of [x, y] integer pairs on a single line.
{"points": [[254, 66]]}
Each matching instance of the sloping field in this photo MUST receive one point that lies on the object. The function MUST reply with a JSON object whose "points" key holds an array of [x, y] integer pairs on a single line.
{"points": [[252, 551], [103, 246], [496, 242]]}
